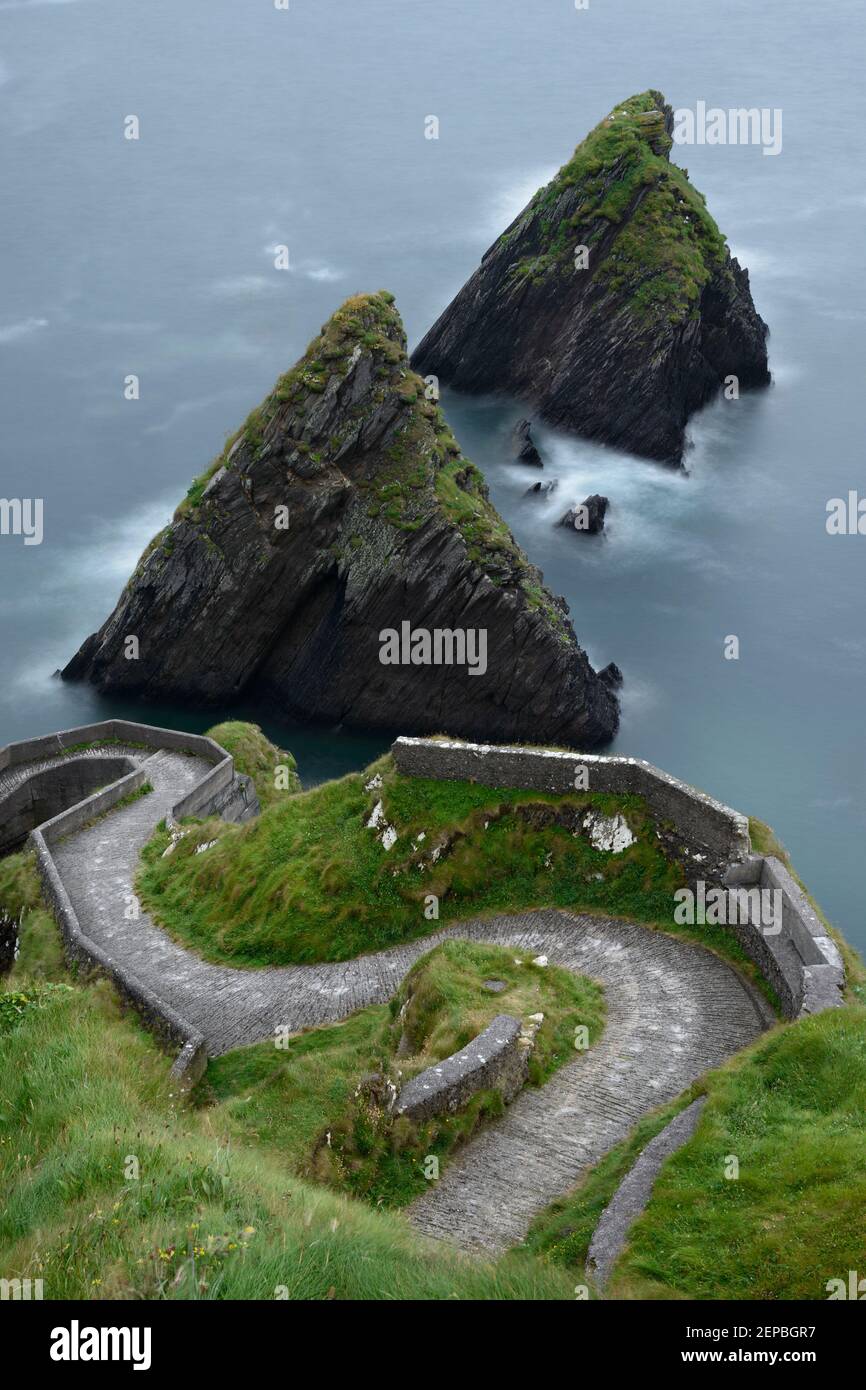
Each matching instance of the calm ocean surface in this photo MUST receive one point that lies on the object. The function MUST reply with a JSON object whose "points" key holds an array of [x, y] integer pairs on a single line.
{"points": [[306, 127]]}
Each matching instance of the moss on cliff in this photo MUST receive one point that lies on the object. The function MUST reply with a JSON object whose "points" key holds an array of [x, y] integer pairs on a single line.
{"points": [[422, 468], [665, 245]]}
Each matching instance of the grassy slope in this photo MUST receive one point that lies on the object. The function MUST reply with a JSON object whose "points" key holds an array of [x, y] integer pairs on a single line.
{"points": [[309, 881], [791, 1110], [255, 755], [212, 1215], [290, 1099]]}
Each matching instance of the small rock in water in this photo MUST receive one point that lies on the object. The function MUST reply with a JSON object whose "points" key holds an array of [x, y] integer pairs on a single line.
{"points": [[524, 449], [587, 516], [541, 489]]}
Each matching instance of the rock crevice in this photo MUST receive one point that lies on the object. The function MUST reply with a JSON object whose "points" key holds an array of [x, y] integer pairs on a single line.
{"points": [[341, 509]]}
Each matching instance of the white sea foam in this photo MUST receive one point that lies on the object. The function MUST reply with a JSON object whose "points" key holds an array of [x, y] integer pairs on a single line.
{"points": [[13, 331]]}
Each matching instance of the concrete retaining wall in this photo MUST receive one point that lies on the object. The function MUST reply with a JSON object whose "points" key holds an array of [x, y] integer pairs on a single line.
{"points": [[711, 833], [497, 1059], [800, 960]]}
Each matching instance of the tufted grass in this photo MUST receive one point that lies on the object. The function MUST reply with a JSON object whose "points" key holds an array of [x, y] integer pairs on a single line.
{"points": [[309, 881], [790, 1109], [214, 1213], [292, 1098], [258, 758]]}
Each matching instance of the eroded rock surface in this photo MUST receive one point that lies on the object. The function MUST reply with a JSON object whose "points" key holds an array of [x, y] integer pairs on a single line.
{"points": [[344, 507], [612, 302]]}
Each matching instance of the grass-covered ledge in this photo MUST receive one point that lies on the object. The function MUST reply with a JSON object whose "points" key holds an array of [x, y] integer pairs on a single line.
{"points": [[303, 1101], [311, 880]]}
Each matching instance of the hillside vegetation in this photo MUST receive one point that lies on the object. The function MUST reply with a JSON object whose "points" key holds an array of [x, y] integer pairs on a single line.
{"points": [[112, 1189], [790, 1111], [311, 879]]}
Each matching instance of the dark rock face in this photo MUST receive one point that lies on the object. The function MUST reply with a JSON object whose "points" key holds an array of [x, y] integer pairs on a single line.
{"points": [[611, 303], [524, 448], [611, 675], [540, 489], [587, 516], [342, 509]]}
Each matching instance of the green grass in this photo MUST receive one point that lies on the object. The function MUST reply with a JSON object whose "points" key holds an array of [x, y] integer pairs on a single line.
{"points": [[213, 1213], [258, 758], [40, 955], [665, 245], [790, 1109], [309, 881], [301, 1102]]}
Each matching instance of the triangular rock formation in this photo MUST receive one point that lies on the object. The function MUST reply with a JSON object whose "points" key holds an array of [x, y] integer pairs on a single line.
{"points": [[611, 303], [344, 508]]}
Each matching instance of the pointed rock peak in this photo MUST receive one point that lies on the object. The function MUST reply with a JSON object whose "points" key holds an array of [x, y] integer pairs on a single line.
{"points": [[611, 302], [341, 560]]}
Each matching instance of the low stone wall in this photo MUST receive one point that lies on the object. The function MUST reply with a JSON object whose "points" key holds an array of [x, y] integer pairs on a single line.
{"points": [[800, 960], [169, 1026], [711, 833], [119, 730], [220, 791], [635, 1190], [47, 792], [497, 1059]]}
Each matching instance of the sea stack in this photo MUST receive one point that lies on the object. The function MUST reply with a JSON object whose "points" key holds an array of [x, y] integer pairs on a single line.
{"points": [[341, 561], [611, 304]]}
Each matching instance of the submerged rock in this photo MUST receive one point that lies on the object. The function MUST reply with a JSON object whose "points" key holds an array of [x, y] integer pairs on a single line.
{"points": [[542, 489], [612, 302], [524, 447], [588, 515], [341, 525]]}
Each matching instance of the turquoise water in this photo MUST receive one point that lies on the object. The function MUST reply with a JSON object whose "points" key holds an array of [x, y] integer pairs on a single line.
{"points": [[261, 127]]}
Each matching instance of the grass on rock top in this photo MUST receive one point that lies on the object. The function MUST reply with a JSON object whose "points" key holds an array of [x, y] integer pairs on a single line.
{"points": [[311, 881], [665, 243], [418, 474], [209, 1212], [258, 758]]}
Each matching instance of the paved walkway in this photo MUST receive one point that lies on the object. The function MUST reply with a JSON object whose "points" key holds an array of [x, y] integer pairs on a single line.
{"points": [[674, 1010]]}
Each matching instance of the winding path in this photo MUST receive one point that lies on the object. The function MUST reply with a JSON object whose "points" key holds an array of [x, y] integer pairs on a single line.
{"points": [[674, 1010]]}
